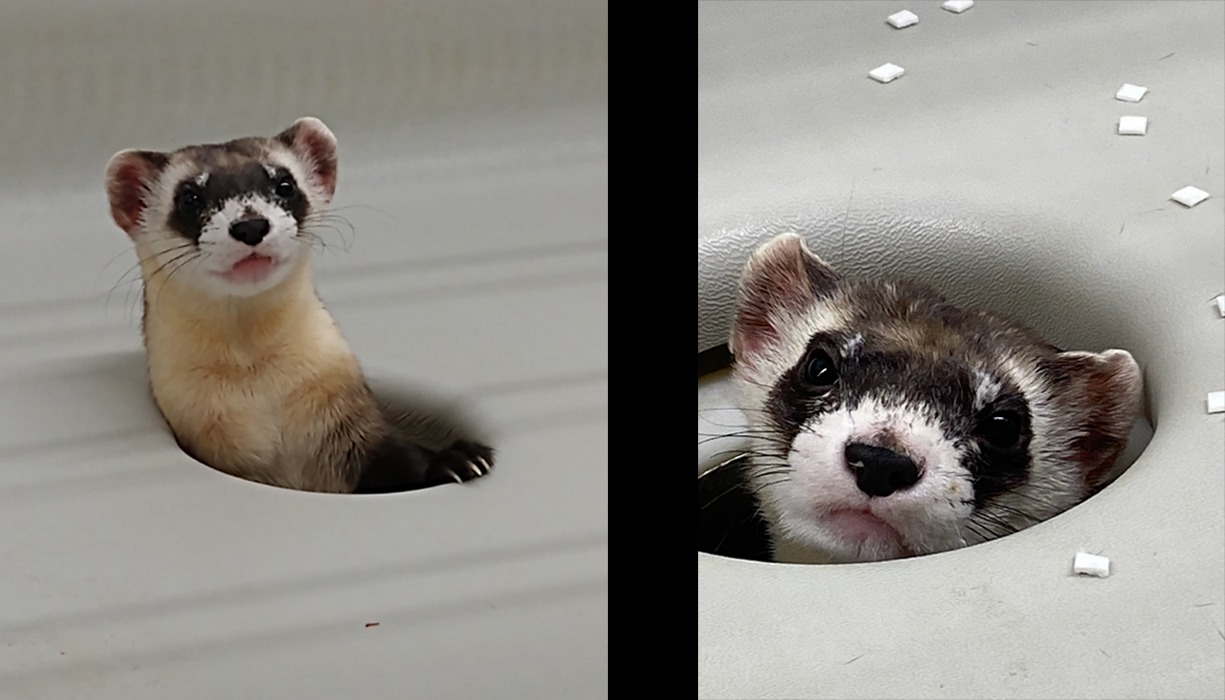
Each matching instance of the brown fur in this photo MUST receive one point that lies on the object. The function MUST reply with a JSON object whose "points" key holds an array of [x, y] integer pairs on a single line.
{"points": [[253, 387]]}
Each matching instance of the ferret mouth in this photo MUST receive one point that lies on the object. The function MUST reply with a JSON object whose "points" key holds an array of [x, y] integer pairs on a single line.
{"points": [[252, 269], [862, 526]]}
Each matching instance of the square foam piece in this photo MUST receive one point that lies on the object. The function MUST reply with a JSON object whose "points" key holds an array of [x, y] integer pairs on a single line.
{"points": [[1220, 304], [1216, 401], [958, 6], [1130, 93], [1091, 565], [1189, 196], [902, 19], [1132, 126], [887, 72]]}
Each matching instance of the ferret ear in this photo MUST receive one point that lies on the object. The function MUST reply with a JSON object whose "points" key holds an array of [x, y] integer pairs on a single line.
{"points": [[780, 281], [130, 175], [1099, 397], [315, 144]]}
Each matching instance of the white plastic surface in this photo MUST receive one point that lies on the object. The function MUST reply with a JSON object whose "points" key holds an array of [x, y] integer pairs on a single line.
{"points": [[473, 169]]}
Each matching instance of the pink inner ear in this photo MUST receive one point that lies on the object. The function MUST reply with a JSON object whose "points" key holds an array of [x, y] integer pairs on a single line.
{"points": [[772, 282], [320, 151], [128, 192]]}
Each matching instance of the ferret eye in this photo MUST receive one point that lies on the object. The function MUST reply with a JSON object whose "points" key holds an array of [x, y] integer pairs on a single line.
{"points": [[285, 187], [190, 202], [1001, 430], [820, 370]]}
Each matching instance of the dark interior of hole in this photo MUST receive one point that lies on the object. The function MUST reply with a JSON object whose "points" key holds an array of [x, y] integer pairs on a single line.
{"points": [[728, 523], [713, 360], [429, 421]]}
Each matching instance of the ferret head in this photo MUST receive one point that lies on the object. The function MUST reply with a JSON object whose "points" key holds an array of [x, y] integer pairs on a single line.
{"points": [[888, 423], [227, 219]]}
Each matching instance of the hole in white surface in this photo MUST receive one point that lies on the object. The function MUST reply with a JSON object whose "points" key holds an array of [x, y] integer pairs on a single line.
{"points": [[1039, 276]]}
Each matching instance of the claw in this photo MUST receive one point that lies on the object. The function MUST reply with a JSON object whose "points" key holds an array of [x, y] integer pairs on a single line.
{"points": [[454, 476]]}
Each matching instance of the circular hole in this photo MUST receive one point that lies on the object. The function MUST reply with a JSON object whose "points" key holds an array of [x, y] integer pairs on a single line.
{"points": [[972, 277]]}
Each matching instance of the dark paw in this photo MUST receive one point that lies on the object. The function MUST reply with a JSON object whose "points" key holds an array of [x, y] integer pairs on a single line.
{"points": [[462, 461]]}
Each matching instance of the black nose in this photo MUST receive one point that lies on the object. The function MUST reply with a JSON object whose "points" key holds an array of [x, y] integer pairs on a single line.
{"points": [[251, 231], [878, 471]]}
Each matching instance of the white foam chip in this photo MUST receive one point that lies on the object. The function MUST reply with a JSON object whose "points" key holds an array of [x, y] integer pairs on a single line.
{"points": [[1216, 401], [905, 18], [1130, 93], [1189, 196], [958, 6], [1220, 304], [887, 72], [1132, 126], [1091, 565]]}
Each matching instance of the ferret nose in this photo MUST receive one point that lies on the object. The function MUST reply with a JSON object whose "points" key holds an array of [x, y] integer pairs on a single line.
{"points": [[879, 471], [251, 231]]}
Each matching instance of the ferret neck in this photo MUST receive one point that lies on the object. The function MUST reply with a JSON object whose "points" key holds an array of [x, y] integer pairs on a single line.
{"points": [[254, 318]]}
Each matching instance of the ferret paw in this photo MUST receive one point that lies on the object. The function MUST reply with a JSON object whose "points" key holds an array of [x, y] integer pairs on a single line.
{"points": [[462, 461]]}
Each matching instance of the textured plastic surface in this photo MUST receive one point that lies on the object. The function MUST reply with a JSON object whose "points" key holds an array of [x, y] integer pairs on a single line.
{"points": [[993, 173], [473, 168]]}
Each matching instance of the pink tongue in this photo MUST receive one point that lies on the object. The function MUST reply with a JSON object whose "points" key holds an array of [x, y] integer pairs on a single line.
{"points": [[253, 264]]}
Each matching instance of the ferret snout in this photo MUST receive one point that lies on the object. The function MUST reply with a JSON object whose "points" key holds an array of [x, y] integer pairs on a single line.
{"points": [[880, 471], [250, 231]]}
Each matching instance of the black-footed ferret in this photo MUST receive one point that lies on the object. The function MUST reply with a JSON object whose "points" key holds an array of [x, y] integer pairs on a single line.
{"points": [[887, 423], [246, 365]]}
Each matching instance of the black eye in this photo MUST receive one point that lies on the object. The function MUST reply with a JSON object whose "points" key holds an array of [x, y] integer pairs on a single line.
{"points": [[285, 187], [820, 369], [1002, 430], [190, 201]]}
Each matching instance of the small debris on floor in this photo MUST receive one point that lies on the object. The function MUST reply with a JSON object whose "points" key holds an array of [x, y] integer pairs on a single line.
{"points": [[1091, 565], [1216, 401], [902, 19], [1189, 196], [886, 72], [1130, 93]]}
